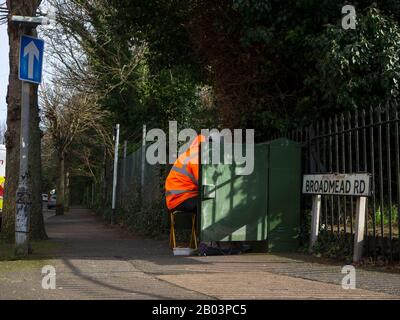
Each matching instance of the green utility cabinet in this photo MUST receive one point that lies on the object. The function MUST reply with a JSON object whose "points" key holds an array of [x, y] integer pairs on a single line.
{"points": [[264, 205]]}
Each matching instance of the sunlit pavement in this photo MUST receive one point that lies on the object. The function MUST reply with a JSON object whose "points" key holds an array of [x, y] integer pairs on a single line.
{"points": [[96, 261]]}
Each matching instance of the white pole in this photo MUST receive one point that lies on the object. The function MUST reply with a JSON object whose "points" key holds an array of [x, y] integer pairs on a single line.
{"points": [[316, 209], [115, 177], [360, 229]]}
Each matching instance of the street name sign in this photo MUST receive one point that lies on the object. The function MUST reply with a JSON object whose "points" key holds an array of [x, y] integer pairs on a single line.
{"points": [[352, 184], [31, 59], [346, 184]]}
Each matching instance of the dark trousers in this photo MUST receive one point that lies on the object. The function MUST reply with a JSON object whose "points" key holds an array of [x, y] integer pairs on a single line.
{"points": [[189, 205]]}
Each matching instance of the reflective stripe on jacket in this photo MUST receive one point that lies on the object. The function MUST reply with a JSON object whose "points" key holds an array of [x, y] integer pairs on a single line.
{"points": [[182, 180]]}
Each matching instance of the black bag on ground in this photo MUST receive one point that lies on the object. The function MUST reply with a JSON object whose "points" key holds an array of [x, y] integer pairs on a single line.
{"points": [[215, 249]]}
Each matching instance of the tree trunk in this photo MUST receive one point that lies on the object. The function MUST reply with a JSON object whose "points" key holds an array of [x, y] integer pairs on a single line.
{"points": [[27, 8], [13, 132], [60, 192], [38, 231], [67, 191]]}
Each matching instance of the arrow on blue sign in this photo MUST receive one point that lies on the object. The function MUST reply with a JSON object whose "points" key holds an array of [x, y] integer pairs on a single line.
{"points": [[31, 59]]}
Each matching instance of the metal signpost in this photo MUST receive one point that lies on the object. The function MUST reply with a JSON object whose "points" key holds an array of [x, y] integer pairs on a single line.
{"points": [[115, 176], [30, 71], [358, 184]]}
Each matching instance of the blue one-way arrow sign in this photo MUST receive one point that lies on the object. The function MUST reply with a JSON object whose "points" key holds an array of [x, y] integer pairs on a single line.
{"points": [[31, 59]]}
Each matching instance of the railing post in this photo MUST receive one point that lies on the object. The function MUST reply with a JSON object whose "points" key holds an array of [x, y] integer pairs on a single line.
{"points": [[124, 168], [143, 157]]}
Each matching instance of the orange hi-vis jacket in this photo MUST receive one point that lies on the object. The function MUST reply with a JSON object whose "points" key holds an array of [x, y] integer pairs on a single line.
{"points": [[182, 180]]}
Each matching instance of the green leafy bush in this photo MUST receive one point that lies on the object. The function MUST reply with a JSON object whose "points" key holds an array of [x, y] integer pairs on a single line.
{"points": [[331, 245], [357, 68], [379, 215]]}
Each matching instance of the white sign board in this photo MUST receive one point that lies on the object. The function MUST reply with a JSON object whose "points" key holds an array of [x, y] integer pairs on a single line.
{"points": [[352, 184]]}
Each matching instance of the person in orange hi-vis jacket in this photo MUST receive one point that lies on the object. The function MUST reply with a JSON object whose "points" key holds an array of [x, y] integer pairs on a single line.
{"points": [[181, 186]]}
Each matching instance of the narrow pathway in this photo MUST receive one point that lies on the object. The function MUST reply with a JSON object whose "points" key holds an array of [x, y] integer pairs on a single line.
{"points": [[96, 261]]}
